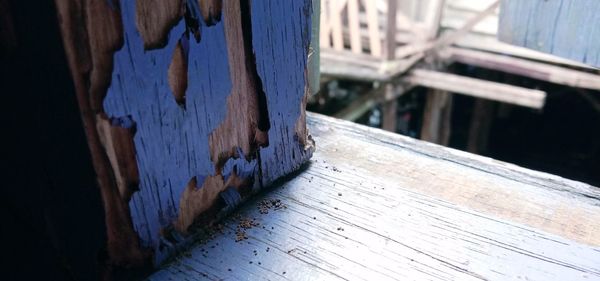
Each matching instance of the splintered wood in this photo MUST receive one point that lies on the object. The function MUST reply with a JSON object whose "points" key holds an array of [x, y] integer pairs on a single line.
{"points": [[185, 110]]}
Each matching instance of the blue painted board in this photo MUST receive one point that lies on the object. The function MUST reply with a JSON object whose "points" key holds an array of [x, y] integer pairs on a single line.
{"points": [[190, 107], [566, 28]]}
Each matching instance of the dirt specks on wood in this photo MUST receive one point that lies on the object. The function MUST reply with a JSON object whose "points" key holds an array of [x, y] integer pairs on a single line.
{"points": [[267, 204], [243, 225]]}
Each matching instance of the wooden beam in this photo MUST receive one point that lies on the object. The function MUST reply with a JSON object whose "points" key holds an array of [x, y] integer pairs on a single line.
{"points": [[477, 88], [348, 65], [523, 67], [449, 38]]}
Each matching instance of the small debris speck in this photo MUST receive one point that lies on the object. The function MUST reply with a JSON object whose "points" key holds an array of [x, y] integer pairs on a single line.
{"points": [[265, 205], [339, 194], [340, 229], [243, 225]]}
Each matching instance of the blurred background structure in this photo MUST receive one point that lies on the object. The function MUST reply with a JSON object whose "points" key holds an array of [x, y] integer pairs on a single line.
{"points": [[435, 70]]}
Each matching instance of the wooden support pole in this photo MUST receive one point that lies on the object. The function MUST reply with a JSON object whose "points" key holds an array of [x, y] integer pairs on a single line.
{"points": [[481, 124], [391, 107], [437, 115]]}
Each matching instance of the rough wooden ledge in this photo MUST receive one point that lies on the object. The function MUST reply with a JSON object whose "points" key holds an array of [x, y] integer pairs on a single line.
{"points": [[373, 205]]}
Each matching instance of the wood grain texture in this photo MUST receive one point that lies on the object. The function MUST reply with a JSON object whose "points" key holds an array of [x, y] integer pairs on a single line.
{"points": [[378, 206], [477, 88], [221, 107], [155, 18], [566, 28], [523, 67], [437, 117], [82, 25], [184, 127]]}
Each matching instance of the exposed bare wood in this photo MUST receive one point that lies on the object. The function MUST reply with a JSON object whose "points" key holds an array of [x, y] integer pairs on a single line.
{"points": [[155, 18], [178, 73], [477, 88], [92, 32], [523, 67], [211, 11], [246, 102]]}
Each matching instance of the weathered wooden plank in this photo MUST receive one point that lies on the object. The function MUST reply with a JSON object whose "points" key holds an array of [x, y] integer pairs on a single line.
{"points": [[566, 28], [378, 206], [477, 88], [189, 107], [523, 67]]}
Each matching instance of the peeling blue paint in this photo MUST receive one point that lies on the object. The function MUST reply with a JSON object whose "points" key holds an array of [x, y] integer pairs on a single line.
{"points": [[172, 142]]}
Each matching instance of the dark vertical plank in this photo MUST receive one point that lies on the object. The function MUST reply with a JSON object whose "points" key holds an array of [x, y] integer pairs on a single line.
{"points": [[436, 117], [481, 124], [46, 166]]}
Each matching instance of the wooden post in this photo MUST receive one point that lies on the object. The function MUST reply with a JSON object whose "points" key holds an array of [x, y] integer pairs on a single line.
{"points": [[481, 124], [437, 115], [390, 107], [184, 109]]}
